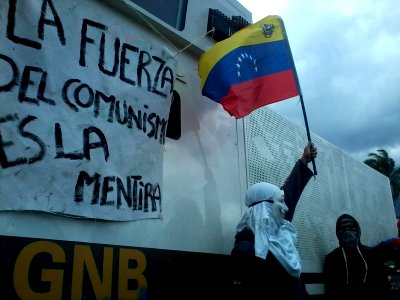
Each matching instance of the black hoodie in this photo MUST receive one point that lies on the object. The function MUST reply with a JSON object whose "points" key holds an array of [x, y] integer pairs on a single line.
{"points": [[353, 271]]}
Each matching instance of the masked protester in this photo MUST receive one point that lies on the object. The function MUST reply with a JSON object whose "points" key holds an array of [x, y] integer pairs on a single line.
{"points": [[265, 259], [353, 270]]}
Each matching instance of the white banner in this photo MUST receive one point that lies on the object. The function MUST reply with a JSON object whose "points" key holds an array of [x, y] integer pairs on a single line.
{"points": [[84, 103]]}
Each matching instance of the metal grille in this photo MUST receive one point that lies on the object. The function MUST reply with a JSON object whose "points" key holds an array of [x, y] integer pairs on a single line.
{"points": [[343, 185]]}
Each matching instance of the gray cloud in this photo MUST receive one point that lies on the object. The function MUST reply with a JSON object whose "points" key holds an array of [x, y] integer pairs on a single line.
{"points": [[347, 59]]}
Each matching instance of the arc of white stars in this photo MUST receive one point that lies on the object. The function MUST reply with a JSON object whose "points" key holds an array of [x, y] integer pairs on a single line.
{"points": [[241, 58]]}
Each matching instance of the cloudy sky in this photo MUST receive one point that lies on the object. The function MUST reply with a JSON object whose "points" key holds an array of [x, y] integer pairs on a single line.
{"points": [[347, 56]]}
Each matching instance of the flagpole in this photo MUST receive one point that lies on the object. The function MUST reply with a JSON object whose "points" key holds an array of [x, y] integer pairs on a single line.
{"points": [[300, 92], [307, 130]]}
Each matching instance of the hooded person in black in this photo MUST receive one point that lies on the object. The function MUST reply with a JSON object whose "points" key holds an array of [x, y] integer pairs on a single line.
{"points": [[353, 270]]}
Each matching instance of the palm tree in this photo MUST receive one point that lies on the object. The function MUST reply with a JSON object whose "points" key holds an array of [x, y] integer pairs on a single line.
{"points": [[386, 165]]}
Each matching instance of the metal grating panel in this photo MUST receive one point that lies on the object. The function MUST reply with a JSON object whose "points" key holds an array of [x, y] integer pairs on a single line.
{"points": [[343, 185]]}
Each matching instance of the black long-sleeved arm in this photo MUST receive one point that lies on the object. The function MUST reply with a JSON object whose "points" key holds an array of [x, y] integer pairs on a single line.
{"points": [[294, 186]]}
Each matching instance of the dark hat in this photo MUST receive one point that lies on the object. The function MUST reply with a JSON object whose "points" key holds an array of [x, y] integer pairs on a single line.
{"points": [[346, 220]]}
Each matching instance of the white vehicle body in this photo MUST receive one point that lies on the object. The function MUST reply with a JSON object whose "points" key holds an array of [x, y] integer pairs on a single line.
{"points": [[206, 172]]}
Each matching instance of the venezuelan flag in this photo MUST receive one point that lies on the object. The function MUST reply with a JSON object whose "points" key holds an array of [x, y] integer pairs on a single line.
{"points": [[252, 68]]}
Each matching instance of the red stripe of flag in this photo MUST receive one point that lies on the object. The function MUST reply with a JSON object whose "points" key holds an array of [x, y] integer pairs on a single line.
{"points": [[260, 91]]}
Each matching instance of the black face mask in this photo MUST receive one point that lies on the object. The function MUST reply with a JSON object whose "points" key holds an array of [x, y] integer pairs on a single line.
{"points": [[348, 237]]}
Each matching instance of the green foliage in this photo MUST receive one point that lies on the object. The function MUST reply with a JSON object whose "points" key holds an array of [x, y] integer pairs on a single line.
{"points": [[386, 165]]}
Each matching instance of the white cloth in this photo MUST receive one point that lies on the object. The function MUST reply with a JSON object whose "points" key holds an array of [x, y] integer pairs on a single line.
{"points": [[260, 191], [268, 234]]}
